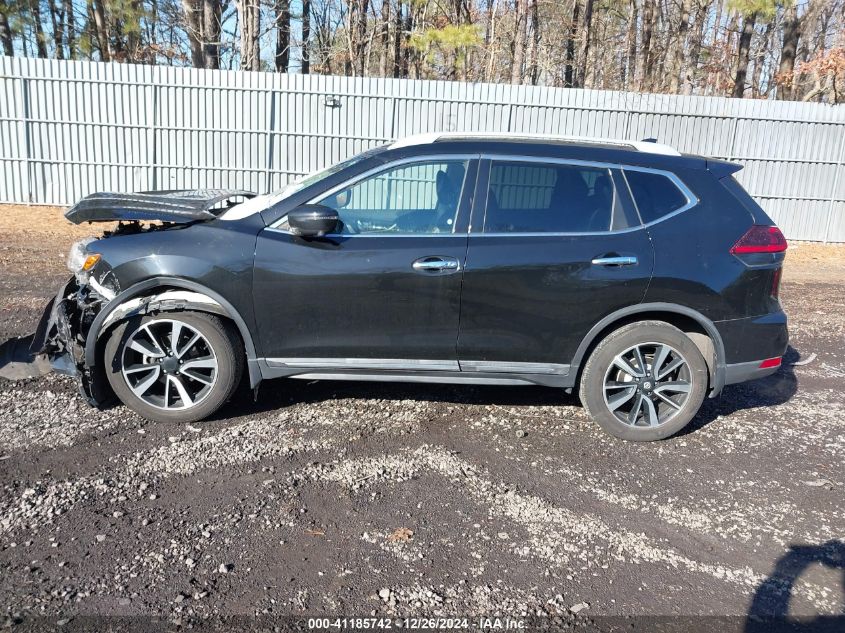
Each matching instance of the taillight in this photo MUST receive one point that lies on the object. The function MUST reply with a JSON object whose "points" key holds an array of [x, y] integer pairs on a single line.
{"points": [[760, 239]]}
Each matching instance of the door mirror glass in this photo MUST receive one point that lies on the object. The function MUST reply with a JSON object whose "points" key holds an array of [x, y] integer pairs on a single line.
{"points": [[312, 220]]}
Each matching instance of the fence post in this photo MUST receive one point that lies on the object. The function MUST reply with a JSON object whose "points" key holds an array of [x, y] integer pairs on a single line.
{"points": [[834, 188], [24, 137], [393, 116], [153, 150], [271, 140]]}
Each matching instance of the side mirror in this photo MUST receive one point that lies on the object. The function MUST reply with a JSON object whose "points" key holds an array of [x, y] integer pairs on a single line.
{"points": [[312, 220]]}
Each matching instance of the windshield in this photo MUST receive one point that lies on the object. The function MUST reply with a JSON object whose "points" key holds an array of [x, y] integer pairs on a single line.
{"points": [[259, 203]]}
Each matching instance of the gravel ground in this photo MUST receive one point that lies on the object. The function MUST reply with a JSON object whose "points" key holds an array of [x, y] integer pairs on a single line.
{"points": [[389, 499]]}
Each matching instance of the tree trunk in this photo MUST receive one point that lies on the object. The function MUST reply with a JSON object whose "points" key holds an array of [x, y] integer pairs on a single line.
{"points": [[6, 30], [786, 67], [102, 30], [358, 40], [249, 12], [70, 29], [282, 35], [584, 54], [57, 18], [193, 27], [212, 14], [744, 54], [518, 44], [133, 37], [644, 75], [629, 68], [384, 29], [569, 70], [691, 64], [406, 36], [534, 44], [40, 36], [677, 61], [397, 40], [306, 37]]}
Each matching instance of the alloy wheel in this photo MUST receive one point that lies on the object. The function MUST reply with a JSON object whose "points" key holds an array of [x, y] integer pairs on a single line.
{"points": [[647, 385], [169, 364]]}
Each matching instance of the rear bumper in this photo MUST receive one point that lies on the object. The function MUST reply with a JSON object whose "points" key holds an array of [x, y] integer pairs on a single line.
{"points": [[742, 372], [754, 338], [748, 342]]}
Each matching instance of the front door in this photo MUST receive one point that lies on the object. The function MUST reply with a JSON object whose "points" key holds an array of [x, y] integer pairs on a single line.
{"points": [[559, 247], [383, 291]]}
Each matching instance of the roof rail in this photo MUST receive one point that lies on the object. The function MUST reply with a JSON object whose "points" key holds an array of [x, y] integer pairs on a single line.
{"points": [[640, 146]]}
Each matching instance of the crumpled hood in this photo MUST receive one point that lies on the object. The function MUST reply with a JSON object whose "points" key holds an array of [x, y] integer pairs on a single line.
{"points": [[180, 206]]}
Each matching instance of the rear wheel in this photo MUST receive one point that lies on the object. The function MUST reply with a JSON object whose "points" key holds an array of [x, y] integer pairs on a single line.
{"points": [[174, 366], [645, 381]]}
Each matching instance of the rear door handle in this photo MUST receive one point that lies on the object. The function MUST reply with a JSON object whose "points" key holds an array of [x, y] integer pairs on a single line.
{"points": [[436, 264], [616, 260]]}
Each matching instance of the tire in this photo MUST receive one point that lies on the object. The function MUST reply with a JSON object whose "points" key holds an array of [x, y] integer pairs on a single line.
{"points": [[143, 370], [610, 394]]}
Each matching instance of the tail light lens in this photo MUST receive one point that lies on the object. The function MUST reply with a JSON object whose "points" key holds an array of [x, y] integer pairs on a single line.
{"points": [[771, 362], [760, 239]]}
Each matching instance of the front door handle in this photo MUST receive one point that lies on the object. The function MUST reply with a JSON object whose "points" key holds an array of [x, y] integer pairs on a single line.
{"points": [[436, 264], [615, 260]]}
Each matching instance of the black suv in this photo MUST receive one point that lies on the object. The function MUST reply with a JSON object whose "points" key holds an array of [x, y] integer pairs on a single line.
{"points": [[642, 278]]}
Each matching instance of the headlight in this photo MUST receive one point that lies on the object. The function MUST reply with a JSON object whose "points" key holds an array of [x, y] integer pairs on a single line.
{"points": [[79, 259]]}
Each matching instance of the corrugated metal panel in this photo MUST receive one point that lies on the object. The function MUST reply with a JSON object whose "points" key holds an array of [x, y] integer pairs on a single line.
{"points": [[70, 128]]}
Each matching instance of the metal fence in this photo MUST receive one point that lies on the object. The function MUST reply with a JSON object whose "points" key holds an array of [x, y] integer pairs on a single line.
{"points": [[70, 128]]}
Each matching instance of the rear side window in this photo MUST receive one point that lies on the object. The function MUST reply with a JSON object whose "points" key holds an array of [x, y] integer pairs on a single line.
{"points": [[548, 198], [656, 195]]}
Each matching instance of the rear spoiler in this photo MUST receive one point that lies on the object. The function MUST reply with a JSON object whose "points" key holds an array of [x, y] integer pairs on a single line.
{"points": [[722, 168]]}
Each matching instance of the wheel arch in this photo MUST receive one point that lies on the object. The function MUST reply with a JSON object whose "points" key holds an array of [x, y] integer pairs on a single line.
{"points": [[698, 327], [156, 291]]}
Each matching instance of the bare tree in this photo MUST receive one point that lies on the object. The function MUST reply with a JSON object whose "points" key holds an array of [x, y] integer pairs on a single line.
{"points": [[5, 29], [789, 48], [518, 45], [282, 35]]}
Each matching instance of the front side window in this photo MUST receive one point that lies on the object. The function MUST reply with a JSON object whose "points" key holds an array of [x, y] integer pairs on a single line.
{"points": [[549, 198], [655, 195], [414, 198]]}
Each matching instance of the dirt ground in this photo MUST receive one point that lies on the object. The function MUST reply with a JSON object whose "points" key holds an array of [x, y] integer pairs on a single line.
{"points": [[364, 499]]}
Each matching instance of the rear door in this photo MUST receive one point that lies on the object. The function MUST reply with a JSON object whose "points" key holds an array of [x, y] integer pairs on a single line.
{"points": [[555, 246]]}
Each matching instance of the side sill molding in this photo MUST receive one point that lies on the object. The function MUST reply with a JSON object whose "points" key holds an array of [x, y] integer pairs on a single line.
{"points": [[396, 377]]}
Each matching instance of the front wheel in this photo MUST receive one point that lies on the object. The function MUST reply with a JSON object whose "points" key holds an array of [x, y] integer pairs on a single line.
{"points": [[177, 367], [644, 382]]}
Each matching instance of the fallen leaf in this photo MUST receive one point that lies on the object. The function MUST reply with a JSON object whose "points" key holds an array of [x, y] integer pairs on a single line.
{"points": [[401, 535], [310, 532]]}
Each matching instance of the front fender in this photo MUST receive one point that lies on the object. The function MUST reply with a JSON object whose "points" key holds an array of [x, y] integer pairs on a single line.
{"points": [[198, 297]]}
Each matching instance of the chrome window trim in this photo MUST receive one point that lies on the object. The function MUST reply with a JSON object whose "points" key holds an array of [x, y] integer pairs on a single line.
{"points": [[422, 158], [377, 235], [692, 199]]}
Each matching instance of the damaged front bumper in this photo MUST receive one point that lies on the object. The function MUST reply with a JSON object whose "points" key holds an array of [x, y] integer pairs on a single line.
{"points": [[60, 341]]}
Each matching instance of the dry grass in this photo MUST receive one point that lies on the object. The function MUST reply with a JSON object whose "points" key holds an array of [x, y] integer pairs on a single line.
{"points": [[39, 236]]}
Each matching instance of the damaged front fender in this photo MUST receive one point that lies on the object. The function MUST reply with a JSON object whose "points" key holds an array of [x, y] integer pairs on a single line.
{"points": [[67, 333]]}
